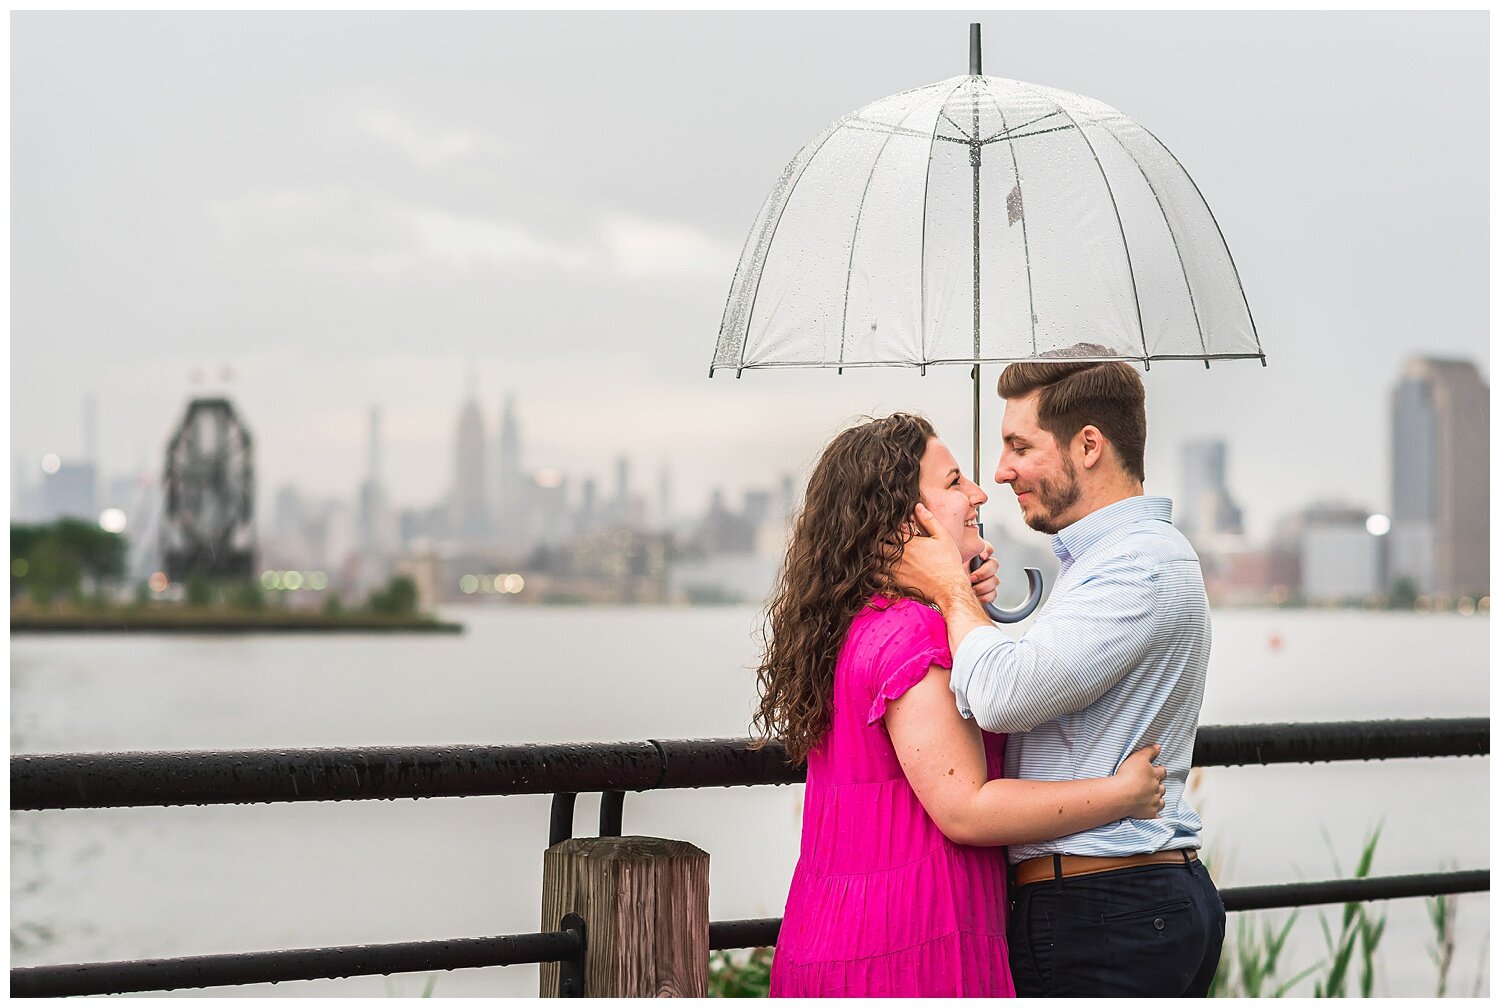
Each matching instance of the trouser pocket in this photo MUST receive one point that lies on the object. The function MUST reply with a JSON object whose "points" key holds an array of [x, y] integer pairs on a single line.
{"points": [[1130, 933], [1160, 910]]}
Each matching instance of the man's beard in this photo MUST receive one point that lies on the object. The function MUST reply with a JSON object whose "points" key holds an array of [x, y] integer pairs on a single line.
{"points": [[1054, 498]]}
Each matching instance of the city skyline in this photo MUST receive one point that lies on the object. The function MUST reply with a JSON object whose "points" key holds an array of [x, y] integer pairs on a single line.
{"points": [[487, 484], [403, 196]]}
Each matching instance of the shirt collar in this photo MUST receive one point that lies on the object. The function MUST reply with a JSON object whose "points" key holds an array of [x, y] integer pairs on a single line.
{"points": [[1079, 537]]}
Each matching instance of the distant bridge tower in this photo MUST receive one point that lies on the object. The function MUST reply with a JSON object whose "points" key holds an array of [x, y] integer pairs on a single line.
{"points": [[209, 486]]}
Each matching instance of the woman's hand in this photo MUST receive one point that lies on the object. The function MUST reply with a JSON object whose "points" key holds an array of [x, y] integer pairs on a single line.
{"points": [[1142, 785]]}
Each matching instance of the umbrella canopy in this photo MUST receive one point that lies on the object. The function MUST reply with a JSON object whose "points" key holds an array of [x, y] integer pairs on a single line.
{"points": [[981, 219]]}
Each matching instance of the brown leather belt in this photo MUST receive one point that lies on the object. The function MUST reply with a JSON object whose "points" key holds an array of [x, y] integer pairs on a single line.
{"points": [[1053, 866]]}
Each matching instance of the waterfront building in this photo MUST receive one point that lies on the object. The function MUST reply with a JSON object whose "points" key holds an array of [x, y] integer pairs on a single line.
{"points": [[1440, 478], [1254, 577], [725, 531], [69, 492], [1340, 559]]}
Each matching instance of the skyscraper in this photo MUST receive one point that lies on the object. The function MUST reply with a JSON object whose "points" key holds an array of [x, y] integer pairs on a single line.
{"points": [[468, 513], [1206, 511], [622, 483], [512, 486], [1440, 478], [376, 531], [664, 498]]}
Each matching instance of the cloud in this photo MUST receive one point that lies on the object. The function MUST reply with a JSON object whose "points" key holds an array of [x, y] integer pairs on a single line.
{"points": [[334, 229], [468, 241], [640, 248], [427, 150]]}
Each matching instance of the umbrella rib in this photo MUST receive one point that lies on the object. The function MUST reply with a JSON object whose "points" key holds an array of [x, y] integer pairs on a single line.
{"points": [[879, 127], [854, 238], [922, 249], [1259, 351], [1027, 136], [1172, 233], [1135, 293], [1011, 137], [791, 190], [966, 137], [1025, 238], [1003, 134]]}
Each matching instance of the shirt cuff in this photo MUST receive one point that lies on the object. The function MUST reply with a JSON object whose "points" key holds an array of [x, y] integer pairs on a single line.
{"points": [[975, 645]]}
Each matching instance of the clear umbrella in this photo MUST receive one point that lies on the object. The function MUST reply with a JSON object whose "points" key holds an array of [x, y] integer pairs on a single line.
{"points": [[983, 220]]}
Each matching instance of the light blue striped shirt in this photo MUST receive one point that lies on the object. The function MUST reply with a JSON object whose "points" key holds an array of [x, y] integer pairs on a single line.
{"points": [[1115, 660]]}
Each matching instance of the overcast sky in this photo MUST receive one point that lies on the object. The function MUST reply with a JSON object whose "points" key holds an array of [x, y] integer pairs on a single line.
{"points": [[345, 209]]}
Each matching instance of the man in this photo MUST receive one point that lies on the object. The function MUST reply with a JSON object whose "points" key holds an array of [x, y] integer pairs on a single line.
{"points": [[1114, 661]]}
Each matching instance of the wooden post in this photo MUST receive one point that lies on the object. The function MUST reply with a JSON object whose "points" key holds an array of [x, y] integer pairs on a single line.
{"points": [[644, 903]]}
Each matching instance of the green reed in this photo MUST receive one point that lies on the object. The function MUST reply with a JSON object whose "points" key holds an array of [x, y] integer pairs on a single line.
{"points": [[1360, 932], [740, 972]]}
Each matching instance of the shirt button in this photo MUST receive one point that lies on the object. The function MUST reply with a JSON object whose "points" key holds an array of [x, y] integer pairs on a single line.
{"points": [[1158, 923]]}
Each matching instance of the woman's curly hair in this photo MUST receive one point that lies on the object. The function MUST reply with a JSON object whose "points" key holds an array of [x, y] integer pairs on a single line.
{"points": [[844, 544]]}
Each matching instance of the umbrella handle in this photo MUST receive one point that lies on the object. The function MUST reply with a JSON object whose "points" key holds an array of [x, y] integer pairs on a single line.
{"points": [[1016, 615]]}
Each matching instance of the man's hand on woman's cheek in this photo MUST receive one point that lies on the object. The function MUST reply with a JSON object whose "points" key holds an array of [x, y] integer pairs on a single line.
{"points": [[932, 564]]}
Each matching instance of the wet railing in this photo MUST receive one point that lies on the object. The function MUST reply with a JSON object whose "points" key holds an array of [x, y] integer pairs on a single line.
{"points": [[107, 780]]}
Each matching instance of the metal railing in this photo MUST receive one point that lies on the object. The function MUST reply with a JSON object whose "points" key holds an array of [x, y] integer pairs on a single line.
{"points": [[106, 780]]}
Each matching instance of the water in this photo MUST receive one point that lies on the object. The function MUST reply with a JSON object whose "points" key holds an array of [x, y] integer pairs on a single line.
{"points": [[102, 884]]}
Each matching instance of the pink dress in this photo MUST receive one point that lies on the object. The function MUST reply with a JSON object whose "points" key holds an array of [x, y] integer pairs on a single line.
{"points": [[881, 903]]}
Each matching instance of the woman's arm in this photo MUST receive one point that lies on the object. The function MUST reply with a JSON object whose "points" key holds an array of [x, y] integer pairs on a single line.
{"points": [[943, 757]]}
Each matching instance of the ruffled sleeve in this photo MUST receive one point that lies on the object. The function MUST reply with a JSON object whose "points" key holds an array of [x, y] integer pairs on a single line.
{"points": [[910, 639]]}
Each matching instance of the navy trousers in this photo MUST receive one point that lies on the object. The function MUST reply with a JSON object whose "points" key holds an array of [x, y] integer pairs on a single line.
{"points": [[1151, 931]]}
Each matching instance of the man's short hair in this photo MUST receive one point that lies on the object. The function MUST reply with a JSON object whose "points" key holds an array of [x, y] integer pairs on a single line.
{"points": [[1070, 394]]}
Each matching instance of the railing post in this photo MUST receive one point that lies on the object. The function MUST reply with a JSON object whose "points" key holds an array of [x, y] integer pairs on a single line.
{"points": [[644, 902]]}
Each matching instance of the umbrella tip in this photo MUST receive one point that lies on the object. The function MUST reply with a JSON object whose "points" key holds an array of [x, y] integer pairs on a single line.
{"points": [[974, 60]]}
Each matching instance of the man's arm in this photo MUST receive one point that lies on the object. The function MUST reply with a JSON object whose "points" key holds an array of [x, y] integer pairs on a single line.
{"points": [[1077, 649]]}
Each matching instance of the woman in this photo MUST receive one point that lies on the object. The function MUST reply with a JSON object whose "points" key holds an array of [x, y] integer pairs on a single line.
{"points": [[900, 887]]}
